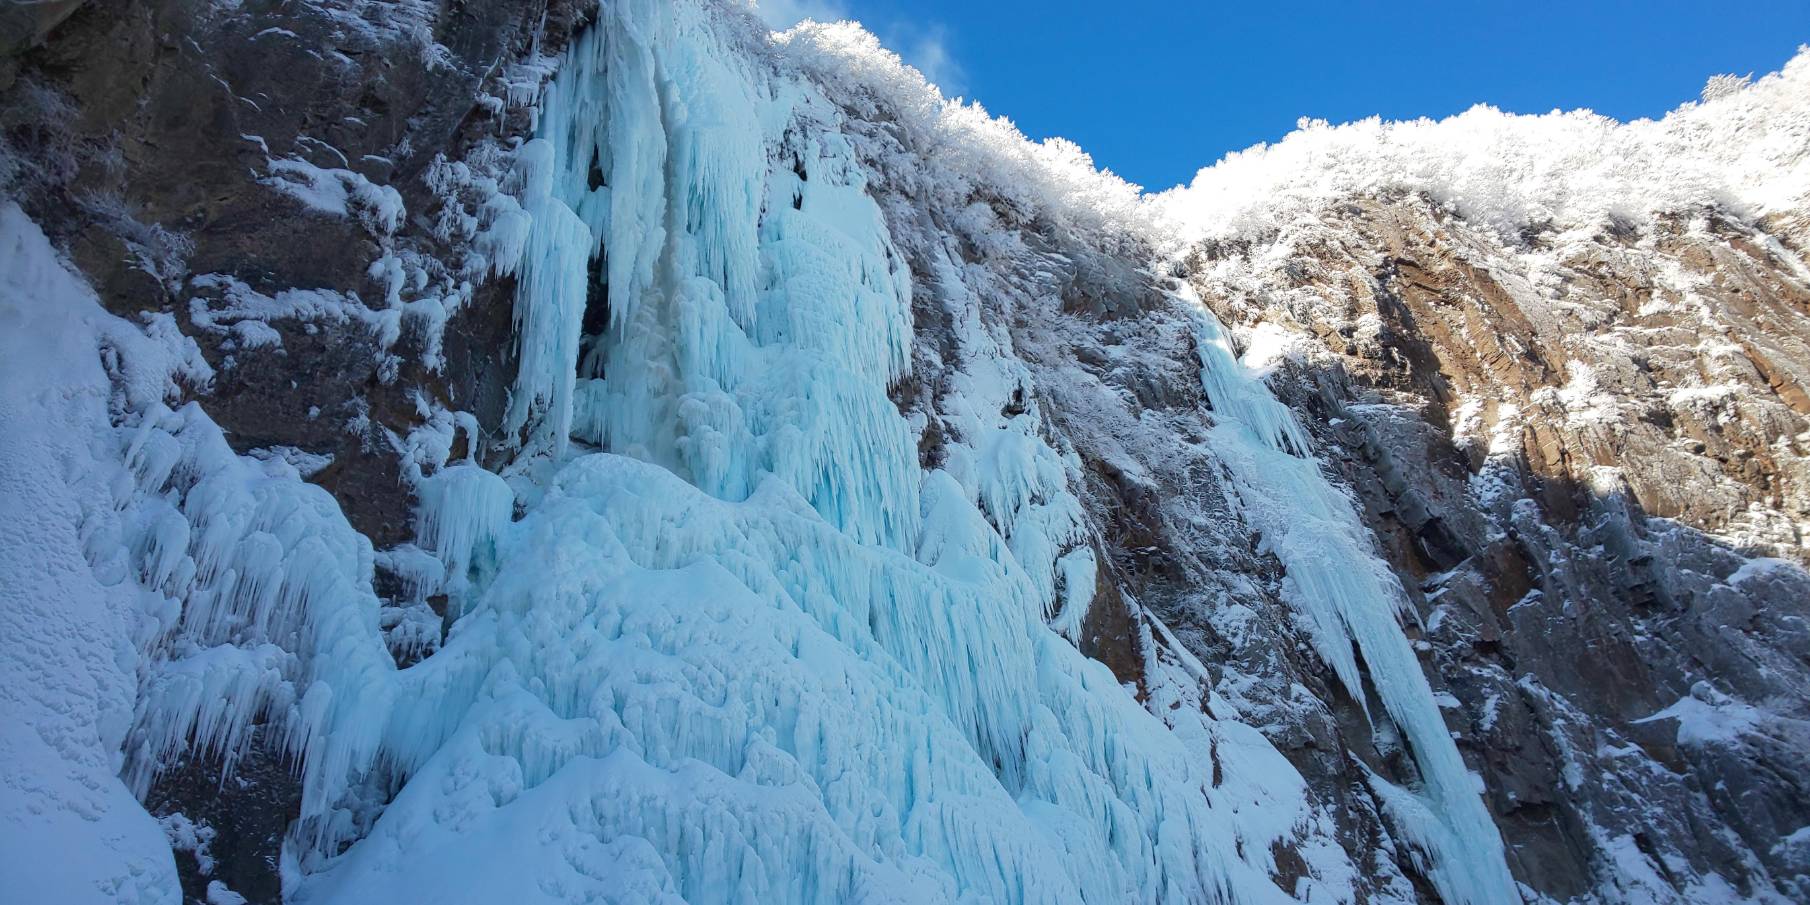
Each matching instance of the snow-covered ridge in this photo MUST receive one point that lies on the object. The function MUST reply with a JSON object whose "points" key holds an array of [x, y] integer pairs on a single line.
{"points": [[971, 155], [1744, 148]]}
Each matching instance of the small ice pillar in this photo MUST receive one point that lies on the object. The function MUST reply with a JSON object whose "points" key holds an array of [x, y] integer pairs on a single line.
{"points": [[463, 511]]}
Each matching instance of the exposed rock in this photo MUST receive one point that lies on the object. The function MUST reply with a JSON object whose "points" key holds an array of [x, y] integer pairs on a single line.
{"points": [[1555, 444]]}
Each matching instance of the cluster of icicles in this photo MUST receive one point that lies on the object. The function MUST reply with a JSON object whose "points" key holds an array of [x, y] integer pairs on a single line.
{"points": [[752, 651]]}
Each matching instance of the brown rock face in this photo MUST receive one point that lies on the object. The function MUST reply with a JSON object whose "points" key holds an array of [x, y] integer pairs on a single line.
{"points": [[1669, 365], [152, 137], [1566, 445]]}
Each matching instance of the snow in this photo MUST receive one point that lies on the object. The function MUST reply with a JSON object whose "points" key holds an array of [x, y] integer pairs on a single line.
{"points": [[1707, 716], [1798, 839], [227, 306], [219, 894], [1269, 346], [1583, 399], [188, 836], [340, 192], [245, 314], [306, 464], [1744, 150], [68, 610], [1492, 711], [1759, 568], [972, 151]]}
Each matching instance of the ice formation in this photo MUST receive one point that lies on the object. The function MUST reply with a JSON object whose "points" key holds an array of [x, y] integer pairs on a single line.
{"points": [[717, 635], [1354, 604], [753, 652], [69, 609]]}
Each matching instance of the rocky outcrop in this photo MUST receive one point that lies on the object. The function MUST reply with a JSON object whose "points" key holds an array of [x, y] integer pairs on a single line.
{"points": [[277, 162], [1667, 363], [1569, 448]]}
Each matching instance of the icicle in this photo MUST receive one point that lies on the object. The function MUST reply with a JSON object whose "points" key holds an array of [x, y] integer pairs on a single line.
{"points": [[1240, 398], [276, 607], [1079, 573], [755, 640], [1350, 598], [549, 309], [463, 511]]}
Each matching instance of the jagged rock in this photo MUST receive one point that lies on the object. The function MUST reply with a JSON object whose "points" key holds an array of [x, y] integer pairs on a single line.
{"points": [[1563, 611]]}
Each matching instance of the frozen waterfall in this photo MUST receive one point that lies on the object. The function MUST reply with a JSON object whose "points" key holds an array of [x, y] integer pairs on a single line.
{"points": [[752, 652], [1353, 603], [719, 635]]}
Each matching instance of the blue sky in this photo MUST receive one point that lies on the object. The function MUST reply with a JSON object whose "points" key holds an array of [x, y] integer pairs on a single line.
{"points": [[1156, 89]]}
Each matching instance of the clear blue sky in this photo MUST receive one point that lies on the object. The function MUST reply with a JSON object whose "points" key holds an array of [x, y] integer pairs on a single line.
{"points": [[1156, 89]]}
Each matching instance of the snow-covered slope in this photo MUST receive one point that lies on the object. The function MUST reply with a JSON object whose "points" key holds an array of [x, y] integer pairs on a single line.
{"points": [[854, 502], [70, 620]]}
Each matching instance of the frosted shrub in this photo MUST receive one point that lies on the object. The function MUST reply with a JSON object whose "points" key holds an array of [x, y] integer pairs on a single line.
{"points": [[1745, 148]]}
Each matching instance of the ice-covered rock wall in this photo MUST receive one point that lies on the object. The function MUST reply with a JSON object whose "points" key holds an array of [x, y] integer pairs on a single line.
{"points": [[734, 643], [750, 651], [719, 469], [1565, 379]]}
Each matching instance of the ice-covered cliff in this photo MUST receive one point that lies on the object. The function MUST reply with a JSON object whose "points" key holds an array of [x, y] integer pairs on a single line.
{"points": [[612, 453]]}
